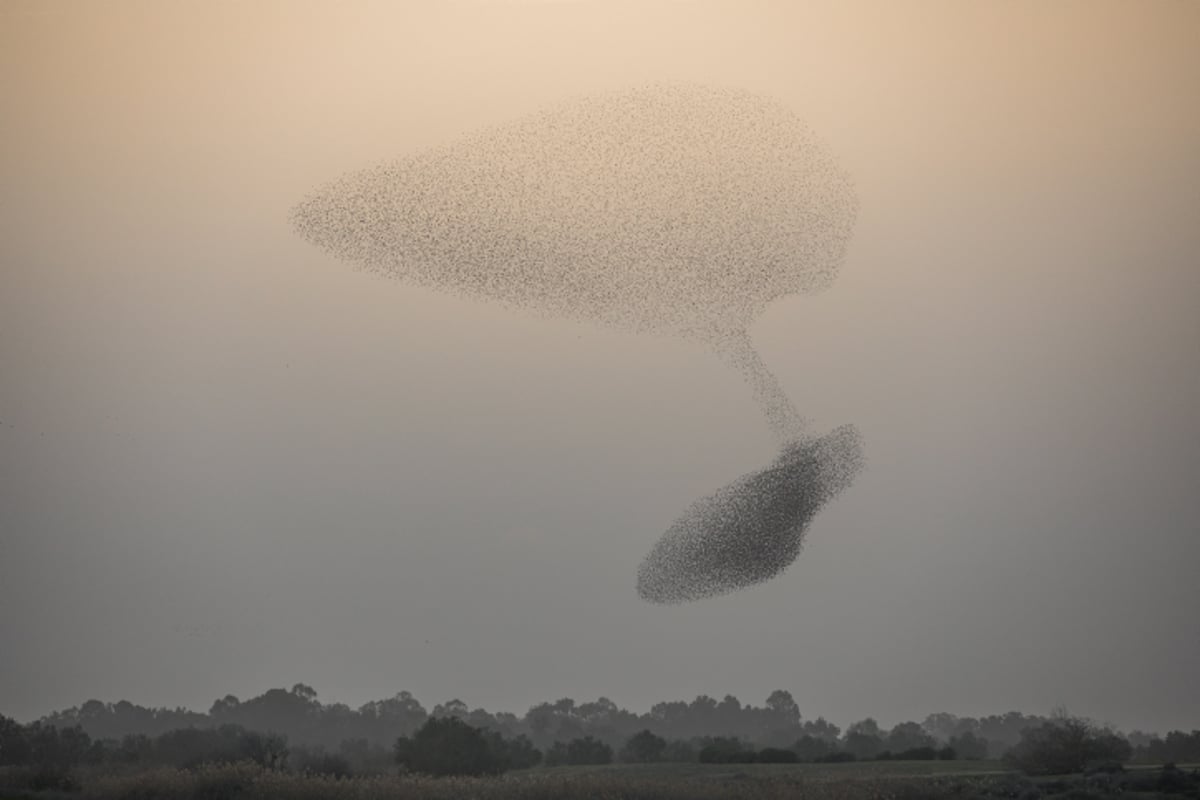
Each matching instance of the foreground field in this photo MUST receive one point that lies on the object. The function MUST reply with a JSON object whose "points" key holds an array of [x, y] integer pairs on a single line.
{"points": [[834, 771], [859, 781]]}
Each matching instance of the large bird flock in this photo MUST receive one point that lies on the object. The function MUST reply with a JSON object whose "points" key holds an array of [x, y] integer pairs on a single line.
{"points": [[673, 209]]}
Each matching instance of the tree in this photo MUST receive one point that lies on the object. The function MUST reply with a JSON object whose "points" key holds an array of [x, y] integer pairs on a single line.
{"points": [[679, 750], [863, 739], [969, 746], [776, 755], [305, 692], [448, 746], [643, 748], [453, 708], [401, 715], [1177, 748], [584, 750], [225, 705], [1065, 744], [783, 708], [268, 749], [588, 750], [15, 747], [811, 748], [821, 729], [907, 736], [556, 755], [864, 727], [518, 752], [725, 750]]}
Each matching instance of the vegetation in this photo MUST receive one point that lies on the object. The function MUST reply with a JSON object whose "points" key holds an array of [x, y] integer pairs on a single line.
{"points": [[211, 756], [305, 721], [1066, 744], [585, 750], [644, 748], [857, 781], [449, 746]]}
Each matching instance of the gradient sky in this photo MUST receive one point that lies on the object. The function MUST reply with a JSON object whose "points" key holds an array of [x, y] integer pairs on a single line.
{"points": [[230, 462]]}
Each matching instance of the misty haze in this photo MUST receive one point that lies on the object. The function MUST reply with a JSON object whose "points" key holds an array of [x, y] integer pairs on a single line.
{"points": [[675, 399]]}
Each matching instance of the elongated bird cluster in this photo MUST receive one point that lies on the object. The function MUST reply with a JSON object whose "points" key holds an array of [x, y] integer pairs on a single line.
{"points": [[751, 530], [668, 209], [679, 209]]}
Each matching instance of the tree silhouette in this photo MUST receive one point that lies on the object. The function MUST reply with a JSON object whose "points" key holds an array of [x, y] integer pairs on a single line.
{"points": [[449, 746], [643, 748]]}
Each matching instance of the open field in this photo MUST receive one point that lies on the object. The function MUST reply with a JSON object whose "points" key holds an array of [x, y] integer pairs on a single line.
{"points": [[835, 771], [895, 780]]}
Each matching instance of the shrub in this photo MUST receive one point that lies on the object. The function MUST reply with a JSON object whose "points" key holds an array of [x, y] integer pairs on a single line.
{"points": [[517, 753], [192, 747], [725, 750], [643, 748], [810, 748], [37, 778], [776, 755], [969, 746], [1064, 745], [680, 750], [588, 750], [917, 754], [448, 746]]}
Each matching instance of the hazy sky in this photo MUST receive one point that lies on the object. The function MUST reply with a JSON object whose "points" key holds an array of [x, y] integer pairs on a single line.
{"points": [[230, 462]]}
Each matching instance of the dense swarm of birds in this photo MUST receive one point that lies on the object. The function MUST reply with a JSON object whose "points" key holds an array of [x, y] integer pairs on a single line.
{"points": [[751, 530], [672, 209]]}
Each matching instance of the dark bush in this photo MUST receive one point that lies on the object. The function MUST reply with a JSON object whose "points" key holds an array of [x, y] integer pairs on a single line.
{"points": [[1173, 779], [680, 751], [917, 754], [776, 755], [192, 747], [725, 750], [588, 750], [449, 746], [643, 748], [517, 753], [969, 746], [37, 778], [810, 748], [1064, 745], [862, 745], [838, 757], [1177, 747], [556, 755]]}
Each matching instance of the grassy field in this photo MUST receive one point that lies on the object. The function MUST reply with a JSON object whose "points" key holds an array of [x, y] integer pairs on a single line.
{"points": [[881, 780], [852, 770]]}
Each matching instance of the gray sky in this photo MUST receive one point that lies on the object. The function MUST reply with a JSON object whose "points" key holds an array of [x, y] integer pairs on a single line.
{"points": [[229, 462]]}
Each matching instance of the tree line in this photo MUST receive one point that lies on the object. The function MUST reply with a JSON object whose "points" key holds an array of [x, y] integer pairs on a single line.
{"points": [[293, 729], [446, 745], [304, 719]]}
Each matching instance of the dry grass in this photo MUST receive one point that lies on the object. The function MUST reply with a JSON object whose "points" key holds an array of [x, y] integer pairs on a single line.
{"points": [[249, 782]]}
